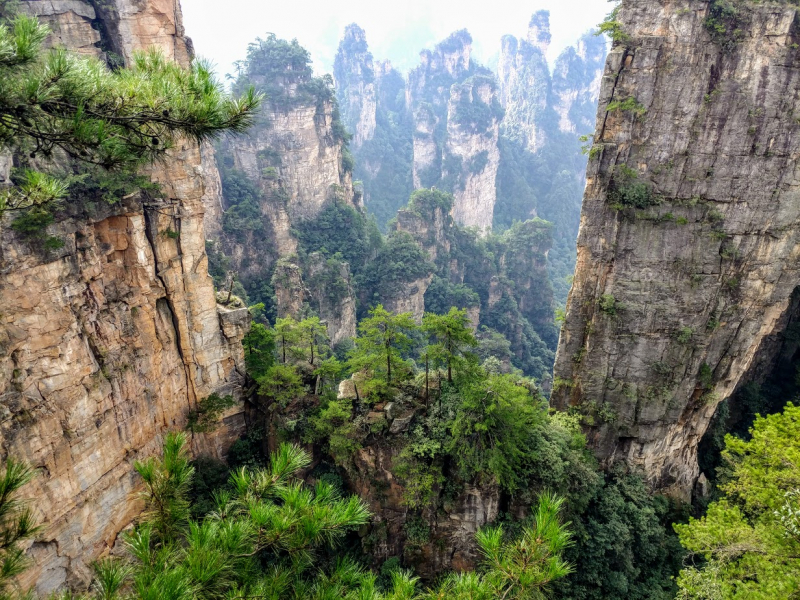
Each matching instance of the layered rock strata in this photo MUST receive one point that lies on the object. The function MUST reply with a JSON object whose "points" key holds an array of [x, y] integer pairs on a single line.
{"points": [[109, 341], [688, 246]]}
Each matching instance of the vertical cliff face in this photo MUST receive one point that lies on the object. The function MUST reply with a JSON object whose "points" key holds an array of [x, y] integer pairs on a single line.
{"points": [[687, 250], [524, 82], [373, 102], [471, 152], [576, 81], [456, 116], [110, 340], [354, 74], [289, 167]]}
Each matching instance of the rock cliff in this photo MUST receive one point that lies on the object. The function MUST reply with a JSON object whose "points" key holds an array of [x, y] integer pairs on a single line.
{"points": [[687, 251], [354, 74], [289, 167], [456, 117], [524, 82], [110, 340]]}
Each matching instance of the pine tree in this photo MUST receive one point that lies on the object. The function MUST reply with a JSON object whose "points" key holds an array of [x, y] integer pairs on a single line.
{"points": [[17, 524], [383, 337], [52, 101], [453, 335]]}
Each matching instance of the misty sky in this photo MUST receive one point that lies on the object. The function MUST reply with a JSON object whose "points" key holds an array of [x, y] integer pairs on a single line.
{"points": [[221, 29]]}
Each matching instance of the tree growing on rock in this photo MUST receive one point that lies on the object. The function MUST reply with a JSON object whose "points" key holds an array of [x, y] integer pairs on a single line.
{"points": [[453, 337], [383, 337]]}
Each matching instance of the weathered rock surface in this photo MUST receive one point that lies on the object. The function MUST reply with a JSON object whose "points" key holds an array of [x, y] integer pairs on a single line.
{"points": [[575, 84], [354, 74], [473, 144], [456, 117], [451, 543], [296, 163], [524, 82], [110, 340], [671, 301], [333, 296]]}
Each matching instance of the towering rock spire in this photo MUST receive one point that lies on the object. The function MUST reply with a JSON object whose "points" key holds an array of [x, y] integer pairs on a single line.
{"points": [[524, 82], [687, 251], [354, 74]]}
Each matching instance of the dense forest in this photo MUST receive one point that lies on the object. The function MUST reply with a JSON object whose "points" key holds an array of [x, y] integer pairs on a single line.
{"points": [[390, 339]]}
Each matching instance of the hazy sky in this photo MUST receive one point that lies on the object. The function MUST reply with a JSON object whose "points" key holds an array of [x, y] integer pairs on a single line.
{"points": [[398, 30]]}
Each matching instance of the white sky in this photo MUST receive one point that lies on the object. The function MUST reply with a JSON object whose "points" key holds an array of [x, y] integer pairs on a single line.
{"points": [[397, 30]]}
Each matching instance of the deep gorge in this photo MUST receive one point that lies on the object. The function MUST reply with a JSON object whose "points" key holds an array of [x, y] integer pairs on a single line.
{"points": [[383, 271]]}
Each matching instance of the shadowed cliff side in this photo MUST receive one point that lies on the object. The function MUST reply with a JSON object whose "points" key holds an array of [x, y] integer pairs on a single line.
{"points": [[687, 251]]}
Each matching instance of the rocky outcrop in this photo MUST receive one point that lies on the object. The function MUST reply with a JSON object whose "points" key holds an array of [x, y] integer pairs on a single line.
{"points": [[687, 252], [333, 296], [524, 82], [576, 81], [471, 151], [456, 119], [110, 340], [301, 148], [285, 172], [354, 75], [449, 533]]}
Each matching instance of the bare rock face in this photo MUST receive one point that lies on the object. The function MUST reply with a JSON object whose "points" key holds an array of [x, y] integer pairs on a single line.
{"points": [[576, 81], [309, 168], [294, 161], [688, 243], [110, 340], [355, 76], [287, 280], [524, 82], [456, 115], [472, 142], [411, 300]]}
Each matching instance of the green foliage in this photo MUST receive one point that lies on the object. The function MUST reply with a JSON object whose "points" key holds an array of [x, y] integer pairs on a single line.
{"points": [[442, 295], [399, 262], [478, 163], [334, 425], [629, 104], [748, 542], [281, 383], [53, 100], [206, 416], [706, 377], [492, 429], [91, 183], [624, 548], [243, 213], [167, 483], [451, 335], [340, 230], [609, 305], [265, 537], [17, 524], [424, 202], [210, 478], [382, 339], [725, 22], [472, 114], [626, 190], [613, 28], [33, 221], [683, 335], [259, 349]]}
